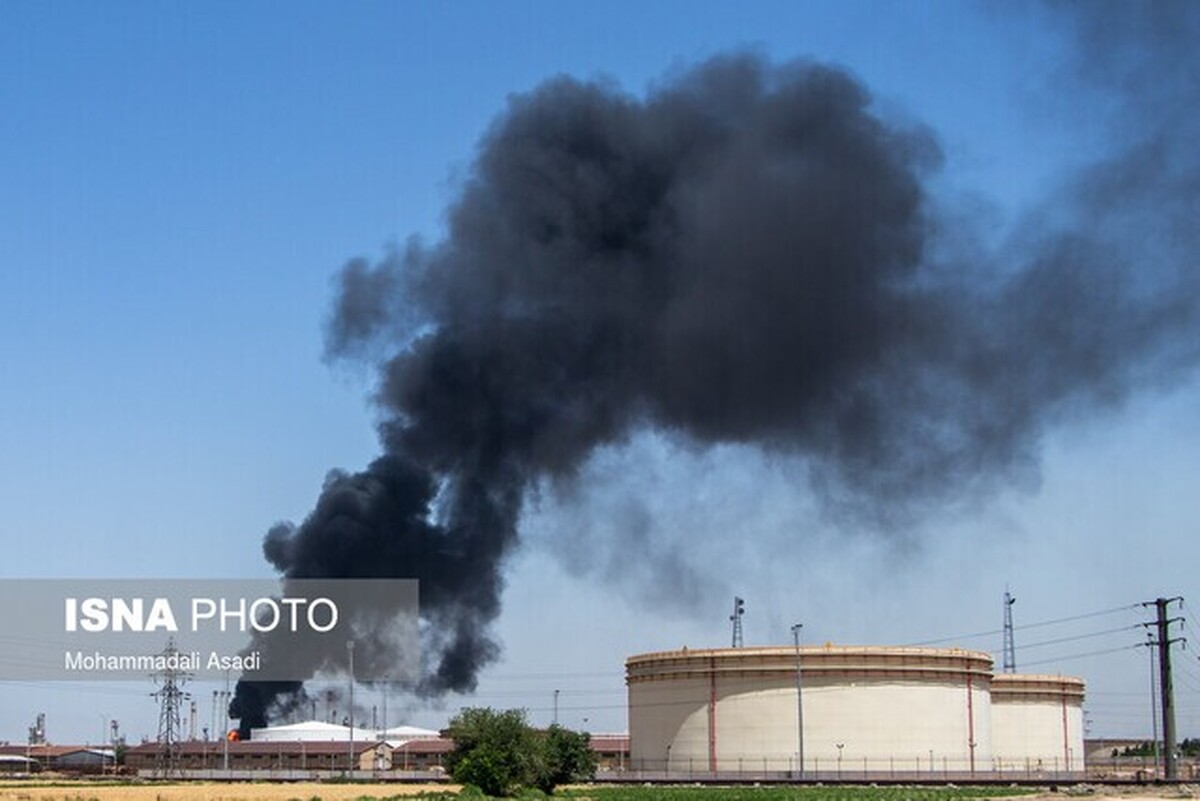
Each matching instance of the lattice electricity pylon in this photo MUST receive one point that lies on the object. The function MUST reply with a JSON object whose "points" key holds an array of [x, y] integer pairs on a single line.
{"points": [[170, 696], [1010, 647], [739, 609]]}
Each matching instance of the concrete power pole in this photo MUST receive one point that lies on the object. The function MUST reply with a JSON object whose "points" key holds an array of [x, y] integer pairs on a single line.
{"points": [[1164, 641]]}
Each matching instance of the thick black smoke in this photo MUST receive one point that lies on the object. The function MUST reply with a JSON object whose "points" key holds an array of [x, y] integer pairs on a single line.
{"points": [[744, 255]]}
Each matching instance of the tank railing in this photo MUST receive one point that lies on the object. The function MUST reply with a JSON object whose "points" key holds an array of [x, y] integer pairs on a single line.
{"points": [[906, 767]]}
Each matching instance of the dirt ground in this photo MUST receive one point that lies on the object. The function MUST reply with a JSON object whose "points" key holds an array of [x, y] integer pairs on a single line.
{"points": [[1102, 792]]}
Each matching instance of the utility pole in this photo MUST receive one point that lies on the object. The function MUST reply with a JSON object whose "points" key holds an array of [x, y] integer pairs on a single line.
{"points": [[350, 650], [1163, 624], [799, 702], [225, 701], [1153, 703]]}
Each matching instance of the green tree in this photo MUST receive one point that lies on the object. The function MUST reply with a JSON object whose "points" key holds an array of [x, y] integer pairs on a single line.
{"points": [[566, 756], [495, 751], [500, 753]]}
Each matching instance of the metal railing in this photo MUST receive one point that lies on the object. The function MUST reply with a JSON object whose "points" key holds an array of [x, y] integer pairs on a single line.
{"points": [[904, 768]]}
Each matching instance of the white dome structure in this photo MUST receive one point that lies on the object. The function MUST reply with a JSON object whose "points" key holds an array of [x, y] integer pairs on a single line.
{"points": [[311, 731]]}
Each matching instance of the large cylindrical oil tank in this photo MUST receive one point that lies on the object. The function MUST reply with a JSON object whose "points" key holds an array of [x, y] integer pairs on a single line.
{"points": [[1037, 722], [864, 709]]}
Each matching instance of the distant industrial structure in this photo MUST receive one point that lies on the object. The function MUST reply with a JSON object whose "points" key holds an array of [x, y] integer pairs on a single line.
{"points": [[62, 758], [866, 710], [315, 749]]}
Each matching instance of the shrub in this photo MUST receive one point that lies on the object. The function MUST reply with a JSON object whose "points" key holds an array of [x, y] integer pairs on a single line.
{"points": [[501, 754]]}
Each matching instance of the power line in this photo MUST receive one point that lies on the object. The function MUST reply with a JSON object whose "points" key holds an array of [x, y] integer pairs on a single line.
{"points": [[1084, 655], [1076, 637], [1027, 626]]}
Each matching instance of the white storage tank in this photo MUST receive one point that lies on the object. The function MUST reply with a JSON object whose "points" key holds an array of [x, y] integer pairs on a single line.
{"points": [[312, 731], [866, 709], [1037, 723]]}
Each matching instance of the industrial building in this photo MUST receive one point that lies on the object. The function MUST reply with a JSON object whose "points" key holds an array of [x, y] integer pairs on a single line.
{"points": [[314, 731], [313, 749], [67, 758], [248, 755], [11, 763], [863, 710]]}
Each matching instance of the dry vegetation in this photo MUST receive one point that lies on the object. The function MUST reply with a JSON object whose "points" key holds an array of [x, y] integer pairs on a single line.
{"points": [[265, 791], [213, 792]]}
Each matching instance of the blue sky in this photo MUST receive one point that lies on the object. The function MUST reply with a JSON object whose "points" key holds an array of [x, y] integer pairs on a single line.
{"points": [[179, 184]]}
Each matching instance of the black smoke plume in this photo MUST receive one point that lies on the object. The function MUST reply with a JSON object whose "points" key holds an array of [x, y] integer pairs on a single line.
{"points": [[748, 254]]}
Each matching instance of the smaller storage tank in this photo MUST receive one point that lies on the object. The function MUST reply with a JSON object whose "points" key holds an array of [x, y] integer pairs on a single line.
{"points": [[1037, 723]]}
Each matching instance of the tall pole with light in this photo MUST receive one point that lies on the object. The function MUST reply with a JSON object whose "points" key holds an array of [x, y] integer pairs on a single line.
{"points": [[799, 701], [350, 651], [225, 725], [100, 748]]}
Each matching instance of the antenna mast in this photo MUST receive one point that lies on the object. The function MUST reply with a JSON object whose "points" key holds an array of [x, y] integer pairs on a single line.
{"points": [[1010, 648], [739, 609]]}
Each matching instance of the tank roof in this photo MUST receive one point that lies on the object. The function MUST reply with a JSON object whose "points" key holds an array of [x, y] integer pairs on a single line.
{"points": [[812, 650]]}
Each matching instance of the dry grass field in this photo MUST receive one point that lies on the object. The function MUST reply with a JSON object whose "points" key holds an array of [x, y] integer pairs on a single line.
{"points": [[213, 792], [253, 791]]}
